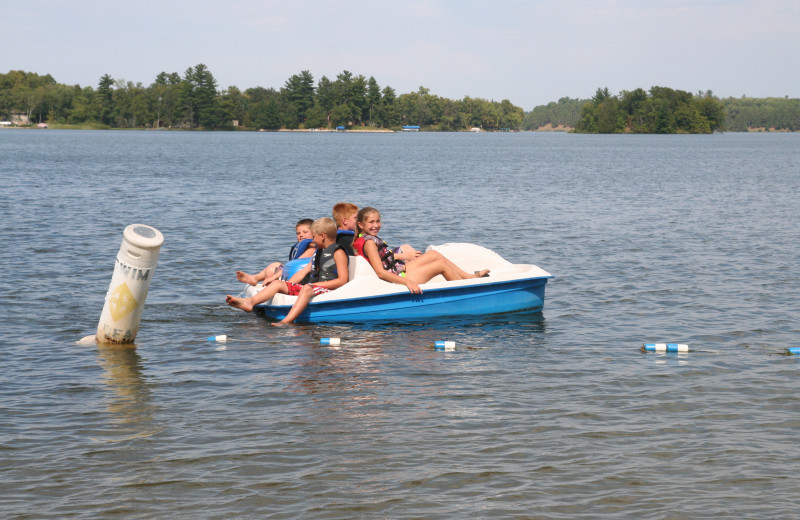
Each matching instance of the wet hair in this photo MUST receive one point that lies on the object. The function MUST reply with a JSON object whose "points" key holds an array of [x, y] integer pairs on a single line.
{"points": [[363, 213], [304, 222], [342, 210], [324, 226]]}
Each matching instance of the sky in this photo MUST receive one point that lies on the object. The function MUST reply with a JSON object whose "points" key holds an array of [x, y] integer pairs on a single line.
{"points": [[530, 52]]}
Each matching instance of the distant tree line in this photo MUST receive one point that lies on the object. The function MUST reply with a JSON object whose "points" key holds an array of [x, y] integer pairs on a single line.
{"points": [[193, 100], [662, 110], [665, 110], [745, 114], [565, 112]]}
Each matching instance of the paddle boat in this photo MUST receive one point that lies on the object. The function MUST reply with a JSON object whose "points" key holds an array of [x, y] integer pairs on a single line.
{"points": [[508, 288]]}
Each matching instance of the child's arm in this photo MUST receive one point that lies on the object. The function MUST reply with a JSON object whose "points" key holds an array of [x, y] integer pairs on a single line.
{"points": [[343, 275], [407, 253], [371, 251]]}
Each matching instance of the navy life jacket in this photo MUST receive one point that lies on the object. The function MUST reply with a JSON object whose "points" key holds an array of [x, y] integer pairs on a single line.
{"points": [[344, 237]]}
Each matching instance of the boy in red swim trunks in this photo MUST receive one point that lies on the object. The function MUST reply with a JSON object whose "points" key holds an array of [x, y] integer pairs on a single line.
{"points": [[327, 270]]}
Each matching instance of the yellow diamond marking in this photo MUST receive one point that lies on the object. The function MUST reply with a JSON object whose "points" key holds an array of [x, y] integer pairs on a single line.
{"points": [[121, 303]]}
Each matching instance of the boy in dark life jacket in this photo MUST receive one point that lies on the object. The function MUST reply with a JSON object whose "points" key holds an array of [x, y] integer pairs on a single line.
{"points": [[304, 248], [327, 271], [344, 213]]}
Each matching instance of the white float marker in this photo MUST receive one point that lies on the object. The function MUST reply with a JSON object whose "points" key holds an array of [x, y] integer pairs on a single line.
{"points": [[221, 338], [445, 345], [133, 272], [334, 342], [665, 347]]}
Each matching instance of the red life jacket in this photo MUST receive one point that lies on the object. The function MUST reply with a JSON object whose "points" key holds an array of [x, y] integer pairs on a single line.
{"points": [[390, 263]]}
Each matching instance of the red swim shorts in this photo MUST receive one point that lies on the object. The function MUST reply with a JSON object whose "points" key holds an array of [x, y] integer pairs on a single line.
{"points": [[294, 289]]}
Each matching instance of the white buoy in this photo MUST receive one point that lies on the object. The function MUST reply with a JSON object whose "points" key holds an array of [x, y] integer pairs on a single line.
{"points": [[334, 342], [221, 338], [445, 345], [133, 272], [666, 347]]}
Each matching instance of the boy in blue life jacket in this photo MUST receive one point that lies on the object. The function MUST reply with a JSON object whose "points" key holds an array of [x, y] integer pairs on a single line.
{"points": [[304, 248], [327, 271]]}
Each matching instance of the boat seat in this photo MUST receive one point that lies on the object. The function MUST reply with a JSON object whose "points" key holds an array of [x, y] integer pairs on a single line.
{"points": [[358, 267]]}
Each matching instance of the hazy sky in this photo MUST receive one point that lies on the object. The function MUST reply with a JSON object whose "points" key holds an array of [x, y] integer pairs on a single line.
{"points": [[530, 52]]}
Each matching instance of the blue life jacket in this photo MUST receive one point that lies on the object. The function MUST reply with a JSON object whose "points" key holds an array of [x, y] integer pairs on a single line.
{"points": [[292, 266], [299, 248]]}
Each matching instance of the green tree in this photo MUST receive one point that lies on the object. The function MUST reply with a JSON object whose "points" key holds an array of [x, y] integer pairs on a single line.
{"points": [[341, 115], [267, 115], [299, 91], [373, 98], [197, 98], [511, 116], [84, 108], [326, 95], [209, 114], [387, 113], [232, 104], [164, 98], [316, 117], [105, 99]]}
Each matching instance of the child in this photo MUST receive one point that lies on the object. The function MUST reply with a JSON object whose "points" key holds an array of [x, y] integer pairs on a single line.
{"points": [[391, 269], [344, 213], [304, 248], [327, 270]]}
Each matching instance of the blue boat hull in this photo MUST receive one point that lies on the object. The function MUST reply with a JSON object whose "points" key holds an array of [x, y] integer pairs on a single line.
{"points": [[489, 298]]}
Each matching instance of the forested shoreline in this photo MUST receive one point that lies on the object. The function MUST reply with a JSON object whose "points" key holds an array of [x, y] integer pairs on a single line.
{"points": [[743, 114], [194, 101]]}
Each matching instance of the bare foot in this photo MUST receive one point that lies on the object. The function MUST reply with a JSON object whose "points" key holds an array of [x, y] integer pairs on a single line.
{"points": [[482, 273], [280, 323], [246, 278], [239, 303]]}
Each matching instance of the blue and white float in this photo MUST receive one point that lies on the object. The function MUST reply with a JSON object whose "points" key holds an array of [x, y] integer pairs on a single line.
{"points": [[665, 347], [508, 288]]}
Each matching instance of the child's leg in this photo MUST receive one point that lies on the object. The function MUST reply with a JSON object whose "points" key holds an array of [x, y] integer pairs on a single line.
{"points": [[432, 263], [305, 295], [265, 273], [247, 304]]}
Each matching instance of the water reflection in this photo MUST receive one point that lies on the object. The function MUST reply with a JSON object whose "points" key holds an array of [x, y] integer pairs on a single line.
{"points": [[352, 367], [129, 401], [344, 379]]}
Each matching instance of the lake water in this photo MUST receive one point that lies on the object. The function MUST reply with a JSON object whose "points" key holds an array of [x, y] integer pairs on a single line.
{"points": [[558, 414]]}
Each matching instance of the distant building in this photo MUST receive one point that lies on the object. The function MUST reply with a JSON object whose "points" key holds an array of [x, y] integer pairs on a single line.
{"points": [[20, 119]]}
